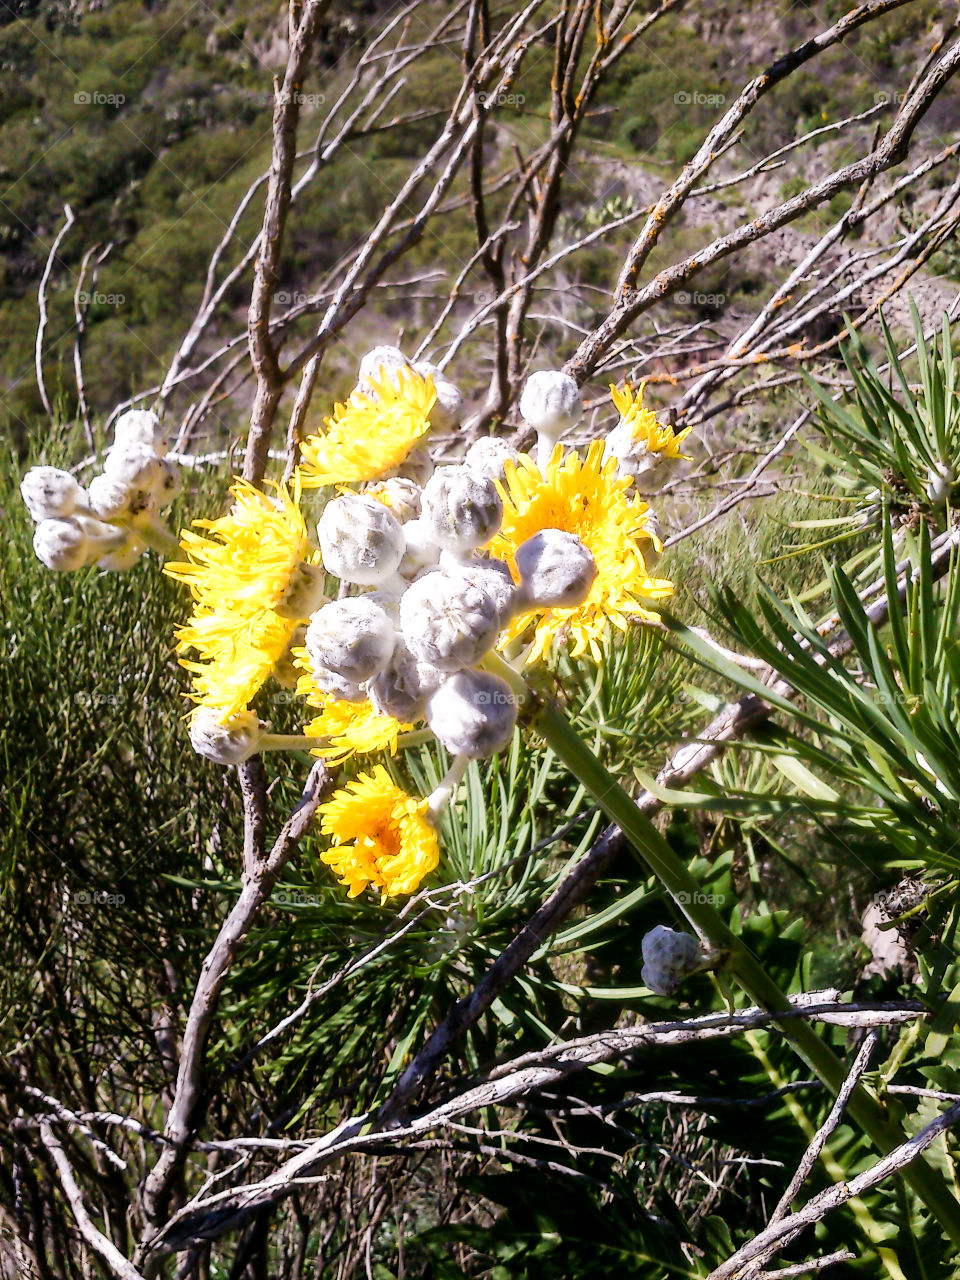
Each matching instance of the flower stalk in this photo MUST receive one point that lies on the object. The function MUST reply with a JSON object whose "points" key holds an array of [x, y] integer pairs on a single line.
{"points": [[682, 886]]}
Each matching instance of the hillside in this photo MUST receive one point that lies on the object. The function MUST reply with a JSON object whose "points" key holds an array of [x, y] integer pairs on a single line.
{"points": [[152, 120]]}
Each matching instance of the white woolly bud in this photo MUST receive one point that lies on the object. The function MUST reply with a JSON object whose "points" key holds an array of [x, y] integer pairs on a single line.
{"points": [[556, 570], [353, 638], [447, 412], [447, 621], [304, 593], [122, 557], [379, 364], [401, 497], [61, 545], [488, 456], [633, 456], [940, 482], [100, 530], [463, 509], [402, 688], [669, 956], [49, 493], [495, 578], [550, 403], [171, 482], [135, 465], [109, 498], [473, 714], [360, 540], [229, 743], [420, 548], [139, 426]]}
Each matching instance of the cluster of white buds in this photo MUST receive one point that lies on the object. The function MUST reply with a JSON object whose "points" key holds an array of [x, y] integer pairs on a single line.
{"points": [[432, 604], [550, 403], [225, 744], [669, 956], [112, 521]]}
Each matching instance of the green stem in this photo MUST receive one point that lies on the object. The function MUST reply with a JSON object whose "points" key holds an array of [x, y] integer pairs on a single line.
{"points": [[287, 742], [863, 1107]]}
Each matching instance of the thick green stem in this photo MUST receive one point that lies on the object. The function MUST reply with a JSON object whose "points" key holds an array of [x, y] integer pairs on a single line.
{"points": [[863, 1107]]}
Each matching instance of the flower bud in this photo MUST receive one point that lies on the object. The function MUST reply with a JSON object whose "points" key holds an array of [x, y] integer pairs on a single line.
{"points": [[353, 638], [550, 403], [402, 688], [226, 744], [379, 364], [401, 497], [669, 956], [420, 550], [473, 714], [487, 457], [304, 593], [140, 426], [940, 482], [446, 621], [62, 545], [634, 457], [447, 412], [171, 482], [135, 465], [463, 509], [495, 578], [556, 570], [360, 540], [49, 493], [109, 499], [123, 557]]}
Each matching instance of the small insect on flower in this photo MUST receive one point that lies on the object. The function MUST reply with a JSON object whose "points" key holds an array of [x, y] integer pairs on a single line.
{"points": [[380, 836], [581, 496], [242, 577], [370, 435]]}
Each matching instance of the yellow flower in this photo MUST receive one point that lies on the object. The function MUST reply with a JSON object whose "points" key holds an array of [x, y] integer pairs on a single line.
{"points": [[581, 496], [353, 728], [242, 576], [381, 836], [370, 435], [644, 427]]}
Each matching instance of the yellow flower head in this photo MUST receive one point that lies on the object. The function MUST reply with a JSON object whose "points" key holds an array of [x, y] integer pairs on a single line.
{"points": [[241, 576], [353, 728], [381, 836], [581, 495], [370, 435], [644, 427]]}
